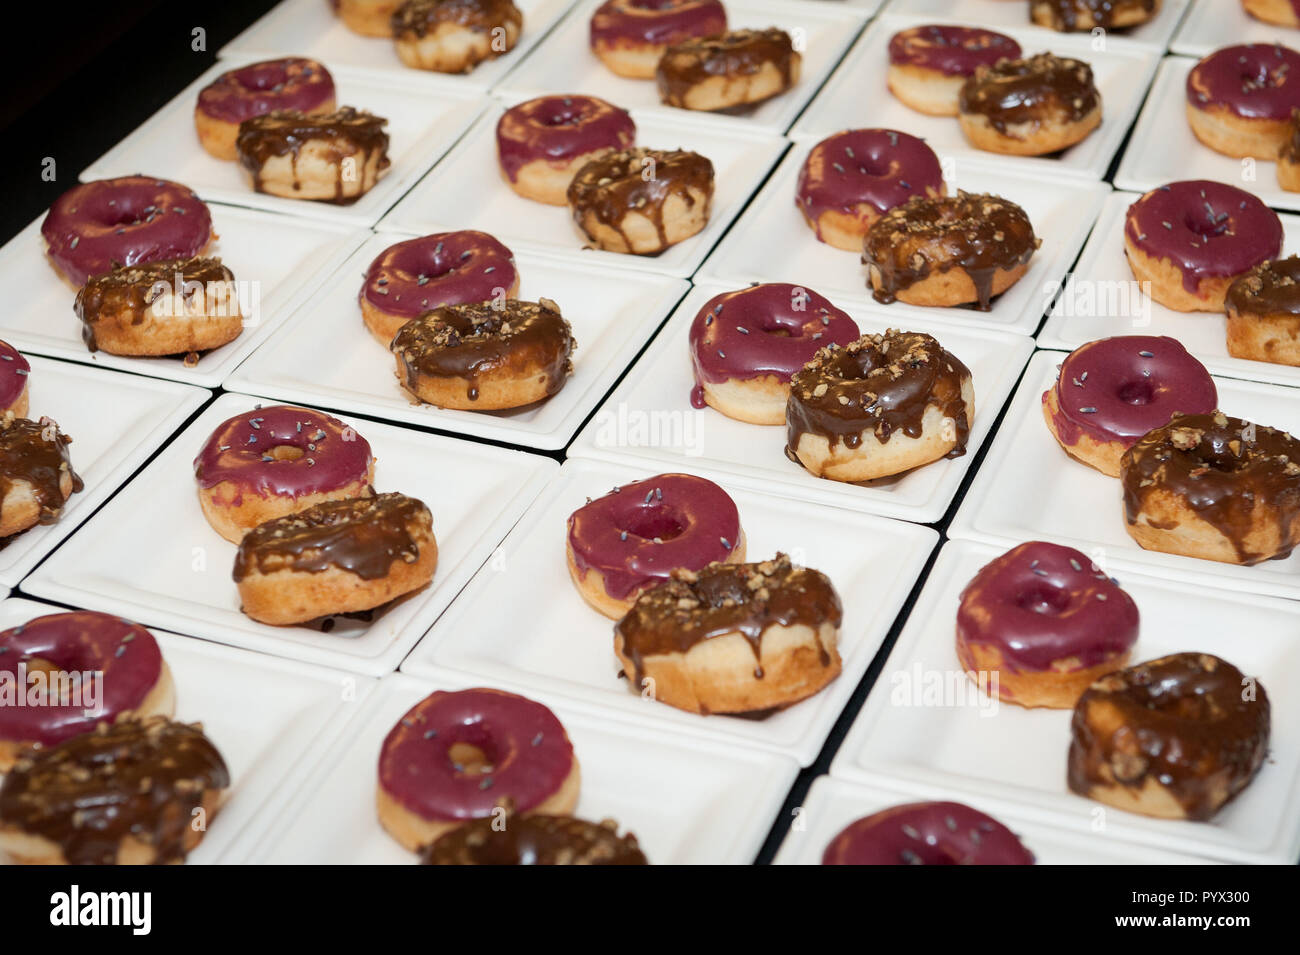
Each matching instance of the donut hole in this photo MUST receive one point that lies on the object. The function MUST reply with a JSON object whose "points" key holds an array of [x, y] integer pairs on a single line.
{"points": [[285, 452], [1137, 392], [1042, 599], [652, 4], [263, 77], [654, 525], [1207, 223], [470, 760], [52, 677]]}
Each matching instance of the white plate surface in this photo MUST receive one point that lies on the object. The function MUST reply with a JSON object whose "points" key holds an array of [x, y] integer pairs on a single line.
{"points": [[1000, 14], [1211, 24], [151, 555]]}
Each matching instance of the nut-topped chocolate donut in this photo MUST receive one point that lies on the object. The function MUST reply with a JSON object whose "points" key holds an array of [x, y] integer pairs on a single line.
{"points": [[728, 70], [879, 406], [1081, 16], [535, 840], [543, 142], [1240, 98], [485, 356], [949, 250], [36, 476], [630, 36], [454, 36], [1030, 107], [642, 200], [254, 90], [1175, 738], [1263, 308], [14, 375], [927, 833], [127, 793], [330, 157], [1214, 487], [928, 64], [733, 638], [1288, 156]]}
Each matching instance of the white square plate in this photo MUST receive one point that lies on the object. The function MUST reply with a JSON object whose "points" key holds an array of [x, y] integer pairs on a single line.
{"points": [[273, 258], [1061, 211], [310, 28], [648, 421], [423, 122], [856, 96], [272, 721], [152, 556], [466, 191], [686, 800], [1028, 487], [832, 804], [1164, 148], [115, 422], [1213, 24], [1003, 751], [1102, 282], [325, 356], [564, 63], [568, 648]]}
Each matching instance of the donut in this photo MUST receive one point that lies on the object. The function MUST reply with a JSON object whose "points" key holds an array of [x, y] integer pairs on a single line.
{"points": [[485, 357], [1240, 98], [98, 226], [850, 179], [1288, 156], [270, 462], [733, 638], [620, 545], [879, 406], [254, 90], [36, 476], [1046, 622], [1187, 241], [55, 654], [535, 840], [746, 346], [133, 792], [333, 558], [949, 250], [928, 64], [14, 372], [1263, 308], [1029, 107], [1111, 392], [927, 833], [737, 68], [454, 36], [642, 201], [1083, 16], [328, 157], [543, 142], [1213, 487], [171, 307], [367, 17], [630, 36], [447, 268], [460, 756], [1283, 13], [1174, 738]]}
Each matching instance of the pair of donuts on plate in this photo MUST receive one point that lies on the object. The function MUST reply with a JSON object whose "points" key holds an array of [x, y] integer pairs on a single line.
{"points": [[294, 489], [445, 36]]}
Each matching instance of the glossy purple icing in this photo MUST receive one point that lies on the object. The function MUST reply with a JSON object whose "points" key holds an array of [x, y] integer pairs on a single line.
{"points": [[1208, 229], [558, 129], [125, 653], [1253, 80], [638, 534], [952, 50], [927, 833], [1041, 603], [447, 268], [97, 226], [658, 22], [333, 455], [14, 370], [1118, 389], [260, 88]]}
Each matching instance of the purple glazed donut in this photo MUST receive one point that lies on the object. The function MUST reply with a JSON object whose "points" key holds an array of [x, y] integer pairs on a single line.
{"points": [[559, 134], [927, 833], [630, 36], [950, 50], [1240, 99], [14, 372], [98, 226], [260, 88]]}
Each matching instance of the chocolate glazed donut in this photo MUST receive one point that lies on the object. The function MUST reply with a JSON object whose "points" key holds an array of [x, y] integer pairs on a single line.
{"points": [[1263, 308], [732, 69], [1070, 16], [927, 833], [279, 150], [1288, 156], [36, 476], [1030, 107], [535, 840]]}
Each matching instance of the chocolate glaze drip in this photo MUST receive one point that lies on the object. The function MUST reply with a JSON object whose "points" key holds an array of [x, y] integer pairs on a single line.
{"points": [[286, 132], [420, 18], [1182, 721], [658, 22], [729, 55], [363, 536], [866, 171], [1270, 288], [723, 599], [639, 180], [952, 50], [288, 83], [134, 289], [36, 452], [1104, 13], [446, 268], [535, 840], [14, 371], [137, 778], [1207, 461], [1030, 90], [879, 383], [973, 231], [559, 129], [1252, 80], [927, 833], [466, 341]]}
